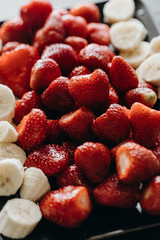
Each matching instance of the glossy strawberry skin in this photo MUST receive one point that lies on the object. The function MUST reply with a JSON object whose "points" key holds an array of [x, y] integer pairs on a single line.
{"points": [[9, 46], [145, 123], [93, 160], [114, 193], [67, 207], [23, 106], [63, 54], [80, 70], [135, 163], [43, 73], [122, 76], [50, 158], [54, 133], [16, 76], [88, 11], [32, 130], [98, 33], [77, 124], [77, 43], [90, 90], [70, 147], [57, 96]]}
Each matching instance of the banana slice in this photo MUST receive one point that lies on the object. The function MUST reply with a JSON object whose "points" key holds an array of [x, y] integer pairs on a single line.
{"points": [[11, 150], [126, 35], [149, 70], [11, 176], [137, 56], [35, 184], [118, 10], [19, 217], [7, 132], [141, 27], [7, 103], [155, 45]]}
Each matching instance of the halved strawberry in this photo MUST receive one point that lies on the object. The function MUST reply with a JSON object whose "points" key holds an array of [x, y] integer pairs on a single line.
{"points": [[122, 76], [93, 160], [90, 90], [57, 96], [16, 76], [78, 124], [135, 163], [114, 193], [80, 70], [54, 134], [89, 11], [68, 206], [43, 73], [50, 158], [145, 123], [32, 130], [77, 43]]}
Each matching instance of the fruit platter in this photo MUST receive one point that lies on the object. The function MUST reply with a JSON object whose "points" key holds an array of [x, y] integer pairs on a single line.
{"points": [[79, 122]]}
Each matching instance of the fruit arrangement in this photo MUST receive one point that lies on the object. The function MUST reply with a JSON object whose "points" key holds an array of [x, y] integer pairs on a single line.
{"points": [[83, 130]]}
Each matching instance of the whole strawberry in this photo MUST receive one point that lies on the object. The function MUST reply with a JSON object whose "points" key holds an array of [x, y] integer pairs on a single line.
{"points": [[93, 160], [80, 70], [32, 130], [77, 43], [122, 76], [91, 89], [54, 133]]}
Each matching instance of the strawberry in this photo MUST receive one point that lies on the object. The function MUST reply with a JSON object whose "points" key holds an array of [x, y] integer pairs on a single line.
{"points": [[150, 199], [43, 73], [98, 33], [122, 76], [14, 30], [23, 106], [62, 11], [80, 70], [68, 206], [57, 96], [50, 158], [32, 130], [89, 11], [145, 123], [70, 148], [91, 89], [114, 193], [51, 32], [35, 13], [143, 95], [63, 54], [147, 85], [16, 76], [77, 124], [156, 151], [93, 160], [94, 56], [54, 134], [77, 43], [9, 46], [135, 163], [113, 125], [74, 25]]}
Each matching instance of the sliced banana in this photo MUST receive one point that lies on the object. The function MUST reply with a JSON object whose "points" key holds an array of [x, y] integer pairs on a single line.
{"points": [[11, 176], [19, 217], [149, 70], [7, 103], [137, 56], [11, 150], [155, 45], [141, 27], [118, 10], [126, 35], [35, 184], [7, 132]]}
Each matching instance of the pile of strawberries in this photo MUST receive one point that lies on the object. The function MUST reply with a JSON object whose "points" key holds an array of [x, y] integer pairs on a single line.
{"points": [[83, 116]]}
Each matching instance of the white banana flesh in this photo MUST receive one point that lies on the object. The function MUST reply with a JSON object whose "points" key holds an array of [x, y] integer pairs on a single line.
{"points": [[7, 103], [7, 132], [11, 176], [35, 184], [155, 45], [149, 70], [126, 35], [19, 217], [118, 10], [11, 150], [137, 56], [141, 27]]}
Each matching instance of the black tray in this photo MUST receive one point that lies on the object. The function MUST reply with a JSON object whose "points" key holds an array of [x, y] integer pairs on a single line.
{"points": [[104, 222]]}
